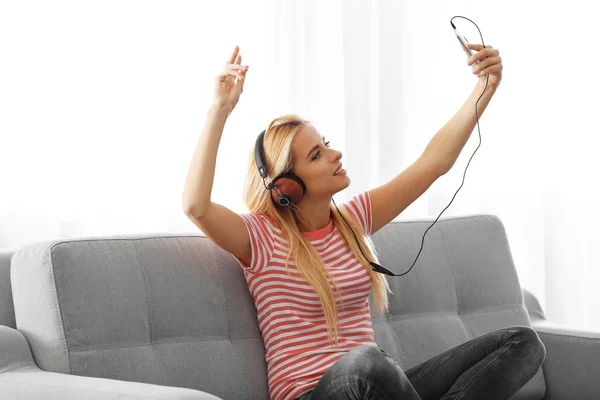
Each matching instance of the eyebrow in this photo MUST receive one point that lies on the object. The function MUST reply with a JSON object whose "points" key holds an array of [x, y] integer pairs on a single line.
{"points": [[314, 148]]}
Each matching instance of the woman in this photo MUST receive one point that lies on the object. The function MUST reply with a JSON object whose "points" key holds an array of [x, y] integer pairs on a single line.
{"points": [[310, 282]]}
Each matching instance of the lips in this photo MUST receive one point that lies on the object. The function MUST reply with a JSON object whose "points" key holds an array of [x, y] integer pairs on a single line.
{"points": [[339, 168]]}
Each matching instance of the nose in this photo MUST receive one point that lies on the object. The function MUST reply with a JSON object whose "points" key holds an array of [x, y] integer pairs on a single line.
{"points": [[338, 155]]}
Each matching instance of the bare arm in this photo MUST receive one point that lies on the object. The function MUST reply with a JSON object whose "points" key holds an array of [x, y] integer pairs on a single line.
{"points": [[200, 177], [225, 227], [229, 85]]}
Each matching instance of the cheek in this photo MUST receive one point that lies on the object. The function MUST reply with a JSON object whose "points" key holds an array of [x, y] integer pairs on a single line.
{"points": [[315, 173], [324, 173]]}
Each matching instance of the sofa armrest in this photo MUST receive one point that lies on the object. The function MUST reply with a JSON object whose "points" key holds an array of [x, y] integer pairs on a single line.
{"points": [[572, 355], [21, 378], [572, 361]]}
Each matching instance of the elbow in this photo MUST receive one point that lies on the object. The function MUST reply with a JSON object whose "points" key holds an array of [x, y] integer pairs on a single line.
{"points": [[188, 209], [191, 210], [444, 169], [443, 166], [440, 165]]}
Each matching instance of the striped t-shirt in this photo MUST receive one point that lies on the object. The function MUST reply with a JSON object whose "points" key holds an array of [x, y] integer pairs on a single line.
{"points": [[290, 316]]}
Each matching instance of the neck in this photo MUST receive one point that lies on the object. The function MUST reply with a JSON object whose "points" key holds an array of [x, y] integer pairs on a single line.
{"points": [[316, 215]]}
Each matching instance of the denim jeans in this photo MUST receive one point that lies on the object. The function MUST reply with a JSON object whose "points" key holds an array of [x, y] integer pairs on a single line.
{"points": [[492, 366]]}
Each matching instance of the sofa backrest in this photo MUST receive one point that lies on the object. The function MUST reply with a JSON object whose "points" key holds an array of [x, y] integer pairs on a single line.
{"points": [[174, 309]]}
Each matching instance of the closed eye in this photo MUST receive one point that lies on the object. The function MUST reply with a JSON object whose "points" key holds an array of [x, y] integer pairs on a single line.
{"points": [[318, 152]]}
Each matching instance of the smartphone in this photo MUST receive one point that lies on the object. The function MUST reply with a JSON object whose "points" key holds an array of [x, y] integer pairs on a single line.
{"points": [[463, 42]]}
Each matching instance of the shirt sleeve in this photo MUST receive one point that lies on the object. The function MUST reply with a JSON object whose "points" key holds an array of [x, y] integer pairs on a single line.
{"points": [[360, 207], [262, 242]]}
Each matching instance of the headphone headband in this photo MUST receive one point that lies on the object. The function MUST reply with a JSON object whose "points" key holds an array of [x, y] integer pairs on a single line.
{"points": [[259, 155]]}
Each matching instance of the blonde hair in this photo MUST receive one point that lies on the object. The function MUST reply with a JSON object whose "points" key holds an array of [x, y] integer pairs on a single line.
{"points": [[277, 145]]}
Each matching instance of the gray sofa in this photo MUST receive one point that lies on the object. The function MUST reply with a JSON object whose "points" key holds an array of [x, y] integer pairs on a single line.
{"points": [[169, 316]]}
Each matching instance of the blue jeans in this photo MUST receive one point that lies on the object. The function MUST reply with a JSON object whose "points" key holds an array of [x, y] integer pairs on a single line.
{"points": [[492, 366]]}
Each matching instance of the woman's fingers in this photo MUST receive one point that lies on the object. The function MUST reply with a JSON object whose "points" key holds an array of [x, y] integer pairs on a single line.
{"points": [[237, 67], [233, 67], [485, 63], [237, 73], [229, 73], [231, 59], [241, 71]]}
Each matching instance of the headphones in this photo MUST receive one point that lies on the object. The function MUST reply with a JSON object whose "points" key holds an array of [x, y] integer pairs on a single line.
{"points": [[291, 184], [290, 188]]}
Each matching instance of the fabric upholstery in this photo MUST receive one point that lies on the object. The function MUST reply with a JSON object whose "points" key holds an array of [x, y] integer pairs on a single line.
{"points": [[174, 309]]}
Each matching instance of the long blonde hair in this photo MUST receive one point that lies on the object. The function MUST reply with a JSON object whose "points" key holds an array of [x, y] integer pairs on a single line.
{"points": [[277, 144]]}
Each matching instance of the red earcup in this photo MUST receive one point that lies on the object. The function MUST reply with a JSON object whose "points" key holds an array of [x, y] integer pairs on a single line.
{"points": [[288, 187]]}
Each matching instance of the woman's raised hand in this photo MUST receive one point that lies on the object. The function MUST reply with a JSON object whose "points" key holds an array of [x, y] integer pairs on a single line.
{"points": [[227, 89]]}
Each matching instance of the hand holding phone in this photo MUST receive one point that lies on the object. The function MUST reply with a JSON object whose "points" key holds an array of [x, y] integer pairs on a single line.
{"points": [[463, 42]]}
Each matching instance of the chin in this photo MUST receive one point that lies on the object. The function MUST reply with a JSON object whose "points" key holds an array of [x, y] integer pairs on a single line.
{"points": [[341, 182], [347, 181]]}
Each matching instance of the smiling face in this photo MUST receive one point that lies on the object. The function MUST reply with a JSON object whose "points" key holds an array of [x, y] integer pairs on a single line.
{"points": [[315, 162]]}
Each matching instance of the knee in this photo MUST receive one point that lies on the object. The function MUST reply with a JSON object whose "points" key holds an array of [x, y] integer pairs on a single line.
{"points": [[371, 363], [529, 337], [368, 372]]}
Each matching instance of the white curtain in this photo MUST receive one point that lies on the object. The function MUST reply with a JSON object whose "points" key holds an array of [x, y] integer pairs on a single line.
{"points": [[102, 104]]}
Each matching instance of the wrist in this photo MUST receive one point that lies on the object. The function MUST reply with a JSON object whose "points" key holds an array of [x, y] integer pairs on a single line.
{"points": [[220, 108], [481, 84]]}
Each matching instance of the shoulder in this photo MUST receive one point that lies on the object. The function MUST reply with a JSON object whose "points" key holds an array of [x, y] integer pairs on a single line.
{"points": [[261, 223], [360, 208]]}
